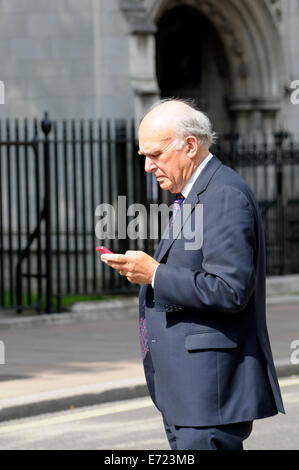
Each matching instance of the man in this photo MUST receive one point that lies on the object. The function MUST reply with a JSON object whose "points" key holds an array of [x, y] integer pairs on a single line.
{"points": [[207, 357]]}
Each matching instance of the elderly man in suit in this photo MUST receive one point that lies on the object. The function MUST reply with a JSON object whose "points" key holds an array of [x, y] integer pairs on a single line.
{"points": [[205, 346]]}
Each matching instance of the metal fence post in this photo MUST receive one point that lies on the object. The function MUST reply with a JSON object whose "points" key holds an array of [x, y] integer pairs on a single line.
{"points": [[46, 126], [280, 206]]}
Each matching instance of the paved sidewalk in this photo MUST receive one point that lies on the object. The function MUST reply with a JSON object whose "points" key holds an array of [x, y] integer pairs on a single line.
{"points": [[89, 356]]}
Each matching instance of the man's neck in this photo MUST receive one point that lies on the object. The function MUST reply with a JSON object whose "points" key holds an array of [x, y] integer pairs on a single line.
{"points": [[187, 188]]}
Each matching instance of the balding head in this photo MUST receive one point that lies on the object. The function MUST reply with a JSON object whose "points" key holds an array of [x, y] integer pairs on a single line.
{"points": [[182, 119], [166, 114]]}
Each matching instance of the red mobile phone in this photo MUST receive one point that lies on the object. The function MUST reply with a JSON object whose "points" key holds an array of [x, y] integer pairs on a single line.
{"points": [[104, 251]]}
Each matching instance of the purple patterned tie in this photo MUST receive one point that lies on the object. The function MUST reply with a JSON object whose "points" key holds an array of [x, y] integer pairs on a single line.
{"points": [[177, 205], [143, 337], [143, 333]]}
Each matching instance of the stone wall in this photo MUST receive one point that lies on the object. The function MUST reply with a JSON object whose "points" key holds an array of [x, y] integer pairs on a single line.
{"points": [[96, 58], [290, 41], [68, 57]]}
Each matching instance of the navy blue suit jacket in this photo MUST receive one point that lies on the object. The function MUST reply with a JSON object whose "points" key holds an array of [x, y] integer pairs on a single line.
{"points": [[210, 361]]}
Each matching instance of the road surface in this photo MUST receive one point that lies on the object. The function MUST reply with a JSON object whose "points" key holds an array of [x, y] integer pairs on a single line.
{"points": [[137, 425]]}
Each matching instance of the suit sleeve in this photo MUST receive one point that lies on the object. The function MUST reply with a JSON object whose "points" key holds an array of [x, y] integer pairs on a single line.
{"points": [[226, 278]]}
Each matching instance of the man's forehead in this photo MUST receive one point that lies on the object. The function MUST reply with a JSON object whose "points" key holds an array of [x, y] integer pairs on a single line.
{"points": [[154, 144], [155, 131], [156, 121]]}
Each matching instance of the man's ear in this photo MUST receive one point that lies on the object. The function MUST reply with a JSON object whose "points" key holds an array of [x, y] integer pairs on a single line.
{"points": [[192, 146]]}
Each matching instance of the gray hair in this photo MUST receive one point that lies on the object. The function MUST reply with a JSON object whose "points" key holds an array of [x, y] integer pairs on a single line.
{"points": [[194, 123]]}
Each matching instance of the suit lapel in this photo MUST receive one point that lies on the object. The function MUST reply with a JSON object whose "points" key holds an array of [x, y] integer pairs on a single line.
{"points": [[156, 255], [192, 200]]}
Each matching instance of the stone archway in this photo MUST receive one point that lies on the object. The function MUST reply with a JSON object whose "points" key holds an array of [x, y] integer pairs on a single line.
{"points": [[249, 34], [191, 62]]}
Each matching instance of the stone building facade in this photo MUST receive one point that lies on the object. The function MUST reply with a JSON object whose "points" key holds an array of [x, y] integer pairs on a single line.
{"points": [[112, 58]]}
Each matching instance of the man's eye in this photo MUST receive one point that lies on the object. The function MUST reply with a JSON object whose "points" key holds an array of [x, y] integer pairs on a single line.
{"points": [[141, 155]]}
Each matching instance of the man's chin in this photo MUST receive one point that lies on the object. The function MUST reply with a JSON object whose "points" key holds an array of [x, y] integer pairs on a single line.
{"points": [[164, 184]]}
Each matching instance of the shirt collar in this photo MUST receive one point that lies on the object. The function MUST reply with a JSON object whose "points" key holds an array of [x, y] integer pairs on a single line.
{"points": [[185, 192]]}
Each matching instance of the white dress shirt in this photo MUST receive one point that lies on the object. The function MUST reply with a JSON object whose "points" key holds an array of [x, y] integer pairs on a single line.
{"points": [[186, 191]]}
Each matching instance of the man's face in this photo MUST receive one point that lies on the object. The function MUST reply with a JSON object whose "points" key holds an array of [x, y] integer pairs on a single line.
{"points": [[169, 165]]}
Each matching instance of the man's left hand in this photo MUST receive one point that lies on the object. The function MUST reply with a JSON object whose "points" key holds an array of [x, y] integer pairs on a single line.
{"points": [[137, 266]]}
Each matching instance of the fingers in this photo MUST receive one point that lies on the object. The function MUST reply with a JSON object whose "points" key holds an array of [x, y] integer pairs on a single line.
{"points": [[133, 253], [116, 262], [131, 265], [116, 258]]}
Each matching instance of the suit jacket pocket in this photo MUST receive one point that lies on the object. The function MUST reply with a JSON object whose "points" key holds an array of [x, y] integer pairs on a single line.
{"points": [[210, 340]]}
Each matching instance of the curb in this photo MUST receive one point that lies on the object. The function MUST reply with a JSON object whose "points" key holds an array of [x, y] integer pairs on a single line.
{"points": [[88, 395], [77, 397], [79, 312], [285, 368], [95, 310], [282, 299], [282, 285]]}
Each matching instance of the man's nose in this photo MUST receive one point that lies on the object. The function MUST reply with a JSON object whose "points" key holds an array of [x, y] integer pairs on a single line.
{"points": [[149, 165]]}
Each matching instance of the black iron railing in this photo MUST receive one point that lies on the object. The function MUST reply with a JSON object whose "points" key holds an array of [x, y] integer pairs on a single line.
{"points": [[54, 175]]}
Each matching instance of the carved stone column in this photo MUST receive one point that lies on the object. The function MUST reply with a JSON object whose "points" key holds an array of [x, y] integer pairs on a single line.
{"points": [[142, 56], [270, 109], [254, 118], [142, 68], [240, 110], [269, 125]]}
